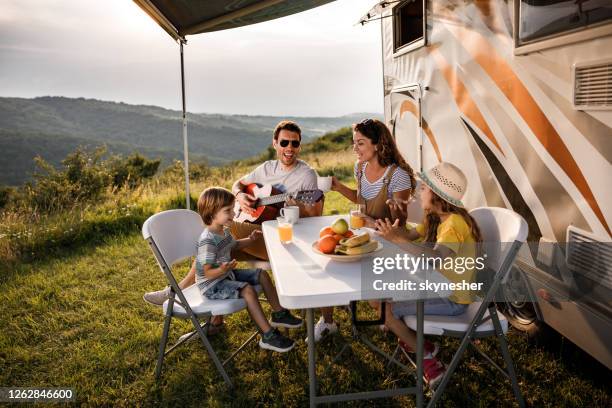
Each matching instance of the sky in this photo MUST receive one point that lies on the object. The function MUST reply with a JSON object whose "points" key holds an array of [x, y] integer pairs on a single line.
{"points": [[316, 63]]}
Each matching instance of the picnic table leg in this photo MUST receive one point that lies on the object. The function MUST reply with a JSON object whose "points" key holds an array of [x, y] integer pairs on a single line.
{"points": [[312, 368], [419, 354]]}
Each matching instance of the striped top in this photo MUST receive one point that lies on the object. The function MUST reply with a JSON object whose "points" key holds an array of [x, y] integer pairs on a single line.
{"points": [[213, 249], [400, 181]]}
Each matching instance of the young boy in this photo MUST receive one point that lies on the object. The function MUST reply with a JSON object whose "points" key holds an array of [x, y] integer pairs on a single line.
{"points": [[218, 278]]}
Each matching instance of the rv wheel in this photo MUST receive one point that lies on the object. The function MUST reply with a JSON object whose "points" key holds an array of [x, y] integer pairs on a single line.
{"points": [[519, 308]]}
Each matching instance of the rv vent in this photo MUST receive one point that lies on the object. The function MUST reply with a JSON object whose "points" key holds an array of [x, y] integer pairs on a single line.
{"points": [[593, 86], [589, 256]]}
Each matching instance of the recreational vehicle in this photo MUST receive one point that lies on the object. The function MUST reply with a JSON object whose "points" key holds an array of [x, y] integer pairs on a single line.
{"points": [[518, 94]]}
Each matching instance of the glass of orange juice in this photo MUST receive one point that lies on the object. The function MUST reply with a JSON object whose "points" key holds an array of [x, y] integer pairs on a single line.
{"points": [[356, 219], [285, 230]]}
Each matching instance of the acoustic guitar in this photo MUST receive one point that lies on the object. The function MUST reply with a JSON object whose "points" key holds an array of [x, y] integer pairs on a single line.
{"points": [[265, 207]]}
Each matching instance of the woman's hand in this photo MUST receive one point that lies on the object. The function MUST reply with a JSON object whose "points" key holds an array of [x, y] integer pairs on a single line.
{"points": [[335, 183], [390, 232]]}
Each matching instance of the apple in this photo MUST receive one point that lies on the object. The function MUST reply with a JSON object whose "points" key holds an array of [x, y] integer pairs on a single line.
{"points": [[340, 226]]}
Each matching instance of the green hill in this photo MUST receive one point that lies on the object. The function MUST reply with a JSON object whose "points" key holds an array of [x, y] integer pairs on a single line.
{"points": [[53, 126]]}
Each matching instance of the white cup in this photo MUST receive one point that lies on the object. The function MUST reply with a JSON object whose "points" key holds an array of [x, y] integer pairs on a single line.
{"points": [[324, 183], [291, 213]]}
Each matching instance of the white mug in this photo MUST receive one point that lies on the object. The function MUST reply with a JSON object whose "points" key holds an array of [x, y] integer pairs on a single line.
{"points": [[291, 213], [324, 183]]}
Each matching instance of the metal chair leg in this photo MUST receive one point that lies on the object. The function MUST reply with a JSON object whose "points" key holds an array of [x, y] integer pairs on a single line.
{"points": [[246, 343], [164, 340], [490, 360], [503, 345], [211, 351], [465, 342], [394, 355]]}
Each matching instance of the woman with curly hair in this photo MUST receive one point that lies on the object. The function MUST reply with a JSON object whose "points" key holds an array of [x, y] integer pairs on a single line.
{"points": [[383, 180]]}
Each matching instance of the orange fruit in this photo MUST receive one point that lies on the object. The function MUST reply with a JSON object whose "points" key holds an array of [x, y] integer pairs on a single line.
{"points": [[338, 237], [326, 231], [348, 234], [327, 244]]}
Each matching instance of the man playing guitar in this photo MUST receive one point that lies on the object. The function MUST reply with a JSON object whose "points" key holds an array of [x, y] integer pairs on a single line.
{"points": [[286, 174]]}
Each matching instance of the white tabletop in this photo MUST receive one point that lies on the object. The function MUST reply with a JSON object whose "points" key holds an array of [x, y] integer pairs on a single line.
{"points": [[305, 279]]}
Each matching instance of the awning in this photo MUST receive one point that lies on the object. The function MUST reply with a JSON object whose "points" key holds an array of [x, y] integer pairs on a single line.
{"points": [[180, 18], [376, 11]]}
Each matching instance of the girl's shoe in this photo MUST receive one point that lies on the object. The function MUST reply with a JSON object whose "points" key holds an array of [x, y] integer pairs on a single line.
{"points": [[428, 348], [276, 342], [433, 371]]}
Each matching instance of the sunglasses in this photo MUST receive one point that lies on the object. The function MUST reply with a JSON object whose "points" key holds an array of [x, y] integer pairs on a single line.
{"points": [[285, 143]]}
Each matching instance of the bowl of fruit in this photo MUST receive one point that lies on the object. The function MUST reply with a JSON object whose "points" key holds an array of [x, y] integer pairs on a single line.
{"points": [[341, 244]]}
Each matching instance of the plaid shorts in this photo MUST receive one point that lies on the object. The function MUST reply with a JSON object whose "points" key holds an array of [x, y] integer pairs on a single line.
{"points": [[230, 289]]}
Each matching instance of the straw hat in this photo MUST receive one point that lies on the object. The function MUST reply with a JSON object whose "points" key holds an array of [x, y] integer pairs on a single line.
{"points": [[446, 181]]}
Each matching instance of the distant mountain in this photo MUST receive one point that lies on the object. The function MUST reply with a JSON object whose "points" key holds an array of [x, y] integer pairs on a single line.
{"points": [[54, 126]]}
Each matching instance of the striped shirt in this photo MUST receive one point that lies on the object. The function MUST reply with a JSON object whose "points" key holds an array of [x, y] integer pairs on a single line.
{"points": [[213, 249], [400, 181]]}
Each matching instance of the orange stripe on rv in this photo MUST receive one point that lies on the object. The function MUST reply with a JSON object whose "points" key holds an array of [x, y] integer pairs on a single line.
{"points": [[512, 87], [463, 99], [408, 106]]}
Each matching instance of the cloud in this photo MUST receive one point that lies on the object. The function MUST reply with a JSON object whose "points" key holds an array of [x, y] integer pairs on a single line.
{"points": [[312, 63]]}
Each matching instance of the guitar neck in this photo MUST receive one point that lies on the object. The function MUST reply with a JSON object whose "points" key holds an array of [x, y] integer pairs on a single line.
{"points": [[273, 199]]}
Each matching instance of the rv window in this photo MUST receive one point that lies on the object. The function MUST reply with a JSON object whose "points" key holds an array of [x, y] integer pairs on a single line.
{"points": [[544, 18], [408, 23]]}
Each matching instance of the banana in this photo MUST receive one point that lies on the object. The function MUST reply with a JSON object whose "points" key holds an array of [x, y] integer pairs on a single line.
{"points": [[356, 241], [358, 250], [362, 249]]}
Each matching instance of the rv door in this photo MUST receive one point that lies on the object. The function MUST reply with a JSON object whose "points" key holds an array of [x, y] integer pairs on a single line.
{"points": [[406, 123]]}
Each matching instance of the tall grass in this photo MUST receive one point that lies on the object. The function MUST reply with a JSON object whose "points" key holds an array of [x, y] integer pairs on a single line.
{"points": [[28, 231]]}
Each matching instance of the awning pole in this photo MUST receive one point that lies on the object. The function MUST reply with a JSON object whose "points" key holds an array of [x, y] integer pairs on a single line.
{"points": [[185, 142]]}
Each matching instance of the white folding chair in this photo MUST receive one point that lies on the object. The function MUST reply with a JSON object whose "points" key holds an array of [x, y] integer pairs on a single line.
{"points": [[498, 226], [173, 237]]}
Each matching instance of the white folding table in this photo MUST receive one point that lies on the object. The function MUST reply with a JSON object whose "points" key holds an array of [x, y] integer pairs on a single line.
{"points": [[307, 280]]}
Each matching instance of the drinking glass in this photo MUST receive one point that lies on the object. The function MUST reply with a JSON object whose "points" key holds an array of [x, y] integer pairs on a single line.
{"points": [[356, 219], [285, 230]]}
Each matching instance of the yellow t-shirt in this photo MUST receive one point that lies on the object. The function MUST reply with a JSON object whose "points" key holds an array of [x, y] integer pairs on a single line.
{"points": [[455, 234]]}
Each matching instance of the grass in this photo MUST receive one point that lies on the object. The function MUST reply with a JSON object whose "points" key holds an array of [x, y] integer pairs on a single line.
{"points": [[80, 322], [72, 315]]}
